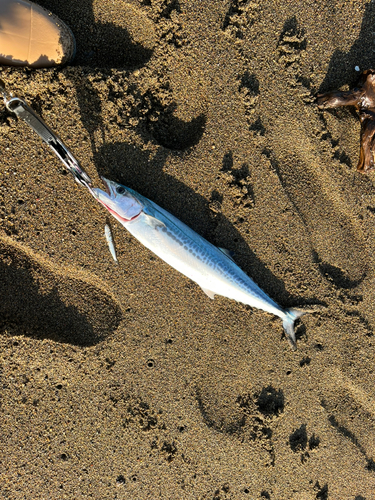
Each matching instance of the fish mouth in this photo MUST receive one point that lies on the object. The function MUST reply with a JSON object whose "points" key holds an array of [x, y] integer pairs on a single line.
{"points": [[106, 186]]}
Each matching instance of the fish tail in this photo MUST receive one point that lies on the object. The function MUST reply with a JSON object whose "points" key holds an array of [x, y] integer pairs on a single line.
{"points": [[288, 324]]}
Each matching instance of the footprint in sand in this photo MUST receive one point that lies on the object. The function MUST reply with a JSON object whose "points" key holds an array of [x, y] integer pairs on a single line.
{"points": [[249, 91], [238, 181], [174, 108], [248, 417], [174, 105], [43, 300], [291, 49], [292, 42], [166, 107], [239, 16], [335, 233], [351, 412], [300, 442]]}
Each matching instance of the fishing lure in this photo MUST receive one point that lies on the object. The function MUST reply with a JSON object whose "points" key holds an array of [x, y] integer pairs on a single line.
{"points": [[111, 244]]}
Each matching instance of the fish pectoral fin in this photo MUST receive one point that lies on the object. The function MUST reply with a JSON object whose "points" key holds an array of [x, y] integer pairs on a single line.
{"points": [[153, 221], [209, 293], [226, 252]]}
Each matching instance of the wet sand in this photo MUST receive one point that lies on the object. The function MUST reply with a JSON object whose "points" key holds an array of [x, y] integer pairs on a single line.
{"points": [[126, 381]]}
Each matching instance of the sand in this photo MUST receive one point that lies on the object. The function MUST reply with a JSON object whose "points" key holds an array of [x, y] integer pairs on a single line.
{"points": [[126, 381]]}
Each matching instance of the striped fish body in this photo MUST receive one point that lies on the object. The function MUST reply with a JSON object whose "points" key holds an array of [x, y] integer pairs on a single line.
{"points": [[188, 252], [209, 266]]}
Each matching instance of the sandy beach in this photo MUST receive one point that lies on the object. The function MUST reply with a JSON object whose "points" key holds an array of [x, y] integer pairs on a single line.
{"points": [[126, 381]]}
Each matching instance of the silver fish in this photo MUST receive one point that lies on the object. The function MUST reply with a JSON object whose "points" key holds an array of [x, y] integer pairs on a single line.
{"points": [[111, 245], [210, 267]]}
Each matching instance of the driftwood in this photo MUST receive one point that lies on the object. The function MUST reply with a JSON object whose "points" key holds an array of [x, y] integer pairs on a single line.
{"points": [[363, 99]]}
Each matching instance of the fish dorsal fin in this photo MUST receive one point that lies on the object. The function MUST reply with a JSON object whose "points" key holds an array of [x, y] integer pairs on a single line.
{"points": [[209, 293], [226, 252], [153, 221]]}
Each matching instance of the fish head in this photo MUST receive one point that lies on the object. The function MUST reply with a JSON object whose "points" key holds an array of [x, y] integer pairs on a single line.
{"points": [[118, 200]]}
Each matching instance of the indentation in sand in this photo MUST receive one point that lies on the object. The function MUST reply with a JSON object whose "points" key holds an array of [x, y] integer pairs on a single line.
{"points": [[351, 412], [336, 237], [43, 300]]}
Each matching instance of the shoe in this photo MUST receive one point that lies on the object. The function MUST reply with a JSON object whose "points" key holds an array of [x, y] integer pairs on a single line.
{"points": [[32, 36]]}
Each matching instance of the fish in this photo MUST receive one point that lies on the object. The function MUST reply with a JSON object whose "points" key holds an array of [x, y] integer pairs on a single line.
{"points": [[211, 267], [111, 245]]}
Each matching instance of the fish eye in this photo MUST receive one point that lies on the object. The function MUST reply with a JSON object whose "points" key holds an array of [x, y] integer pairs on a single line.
{"points": [[120, 190]]}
